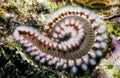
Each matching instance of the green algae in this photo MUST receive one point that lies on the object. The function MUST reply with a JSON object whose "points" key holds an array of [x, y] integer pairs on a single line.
{"points": [[113, 28], [112, 71]]}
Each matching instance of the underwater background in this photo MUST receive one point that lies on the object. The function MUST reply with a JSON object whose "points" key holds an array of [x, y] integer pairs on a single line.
{"points": [[14, 63]]}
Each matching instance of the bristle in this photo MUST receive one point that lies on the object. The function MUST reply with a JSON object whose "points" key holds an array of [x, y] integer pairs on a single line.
{"points": [[92, 15], [86, 11], [42, 54], [58, 29], [55, 35], [50, 62], [104, 36], [99, 53], [71, 63], [92, 62], [62, 62], [58, 65], [72, 21], [99, 38], [77, 22], [84, 67], [74, 69], [78, 62], [42, 60], [101, 29], [65, 66], [28, 50], [92, 54], [28, 44], [34, 53], [54, 60], [103, 45], [85, 59], [97, 45], [37, 57]]}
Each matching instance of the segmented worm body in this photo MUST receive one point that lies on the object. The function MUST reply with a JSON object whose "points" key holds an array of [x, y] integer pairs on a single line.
{"points": [[73, 38]]}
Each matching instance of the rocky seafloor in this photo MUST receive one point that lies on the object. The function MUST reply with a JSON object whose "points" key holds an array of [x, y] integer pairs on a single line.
{"points": [[15, 64]]}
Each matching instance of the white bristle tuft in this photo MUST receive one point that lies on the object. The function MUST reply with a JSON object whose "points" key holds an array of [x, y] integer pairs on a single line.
{"points": [[77, 43], [92, 62], [85, 59], [103, 45], [21, 38], [42, 40], [37, 57], [101, 29], [33, 53], [92, 54], [24, 41], [58, 29], [28, 44], [78, 62], [95, 24], [62, 25], [80, 25], [72, 21], [92, 15], [50, 44], [62, 62], [54, 60], [58, 65], [74, 33], [97, 45], [74, 69], [76, 9], [71, 63], [84, 67], [62, 32], [28, 50], [69, 45], [65, 66], [99, 53], [16, 35], [67, 21], [55, 35], [36, 34], [98, 20], [81, 31], [46, 42], [104, 36], [99, 38], [48, 57], [42, 54], [55, 44], [77, 22], [42, 60], [34, 48], [83, 16], [60, 46], [86, 11], [60, 36], [50, 62]]}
